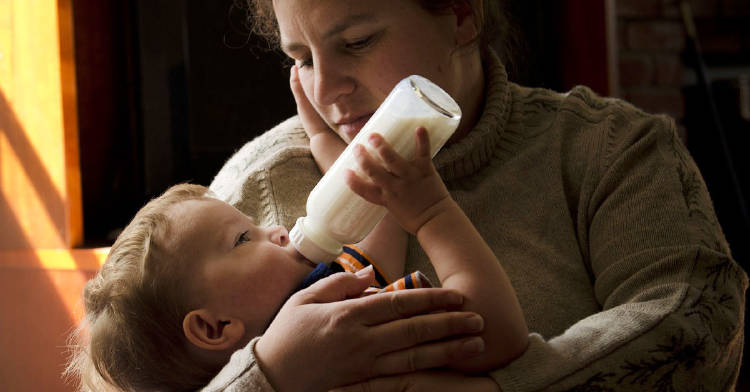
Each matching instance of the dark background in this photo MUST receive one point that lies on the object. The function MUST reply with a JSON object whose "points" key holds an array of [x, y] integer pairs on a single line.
{"points": [[167, 91]]}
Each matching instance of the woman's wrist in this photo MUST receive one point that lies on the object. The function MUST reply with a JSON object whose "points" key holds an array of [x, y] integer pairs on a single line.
{"points": [[326, 148], [262, 359]]}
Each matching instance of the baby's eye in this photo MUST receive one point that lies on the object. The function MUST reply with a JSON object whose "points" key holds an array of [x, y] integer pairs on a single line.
{"points": [[244, 237]]}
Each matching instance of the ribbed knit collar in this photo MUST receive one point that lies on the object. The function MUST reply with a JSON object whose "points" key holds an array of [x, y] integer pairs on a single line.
{"points": [[477, 148]]}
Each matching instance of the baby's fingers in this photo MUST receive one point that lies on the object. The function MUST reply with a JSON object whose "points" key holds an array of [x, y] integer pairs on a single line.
{"points": [[366, 189], [422, 156], [423, 142], [371, 167], [392, 161]]}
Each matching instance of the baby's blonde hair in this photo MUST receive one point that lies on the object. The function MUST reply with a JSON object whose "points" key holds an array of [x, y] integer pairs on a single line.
{"points": [[131, 336]]}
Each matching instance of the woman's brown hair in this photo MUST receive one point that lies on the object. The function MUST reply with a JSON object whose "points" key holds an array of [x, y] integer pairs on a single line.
{"points": [[131, 336], [492, 22]]}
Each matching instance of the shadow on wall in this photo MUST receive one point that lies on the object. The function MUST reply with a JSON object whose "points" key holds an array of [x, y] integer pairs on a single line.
{"points": [[37, 305], [35, 173]]}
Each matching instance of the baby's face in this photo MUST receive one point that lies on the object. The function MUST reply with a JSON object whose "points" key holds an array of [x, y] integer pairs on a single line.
{"points": [[241, 270]]}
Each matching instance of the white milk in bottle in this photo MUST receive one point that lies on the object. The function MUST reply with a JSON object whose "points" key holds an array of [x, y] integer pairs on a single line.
{"points": [[335, 214]]}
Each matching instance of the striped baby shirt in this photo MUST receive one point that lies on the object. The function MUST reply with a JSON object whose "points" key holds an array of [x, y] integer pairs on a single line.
{"points": [[353, 259]]}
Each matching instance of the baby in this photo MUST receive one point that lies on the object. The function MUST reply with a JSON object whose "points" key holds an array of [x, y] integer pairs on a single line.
{"points": [[192, 279]]}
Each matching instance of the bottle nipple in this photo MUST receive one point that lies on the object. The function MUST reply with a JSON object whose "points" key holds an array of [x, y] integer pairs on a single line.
{"points": [[312, 244]]}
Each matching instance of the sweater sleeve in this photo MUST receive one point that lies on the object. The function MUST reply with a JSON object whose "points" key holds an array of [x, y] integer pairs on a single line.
{"points": [[672, 298], [241, 374]]}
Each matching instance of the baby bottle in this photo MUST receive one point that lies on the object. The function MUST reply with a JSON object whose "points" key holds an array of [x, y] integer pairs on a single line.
{"points": [[335, 214]]}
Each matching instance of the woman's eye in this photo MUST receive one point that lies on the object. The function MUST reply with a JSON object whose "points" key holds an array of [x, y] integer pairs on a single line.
{"points": [[244, 237], [360, 43], [304, 63]]}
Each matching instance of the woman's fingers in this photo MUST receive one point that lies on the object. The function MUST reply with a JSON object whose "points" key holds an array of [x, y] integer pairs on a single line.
{"points": [[428, 356], [311, 120], [327, 336], [385, 307], [336, 287], [327, 341], [412, 331]]}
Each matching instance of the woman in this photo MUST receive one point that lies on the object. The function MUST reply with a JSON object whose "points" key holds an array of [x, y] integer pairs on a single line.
{"points": [[595, 209]]}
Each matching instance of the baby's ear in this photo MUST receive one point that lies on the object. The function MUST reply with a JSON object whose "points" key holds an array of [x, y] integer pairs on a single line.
{"points": [[205, 330]]}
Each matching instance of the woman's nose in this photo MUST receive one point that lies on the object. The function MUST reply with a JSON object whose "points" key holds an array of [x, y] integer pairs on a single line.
{"points": [[279, 235], [332, 81]]}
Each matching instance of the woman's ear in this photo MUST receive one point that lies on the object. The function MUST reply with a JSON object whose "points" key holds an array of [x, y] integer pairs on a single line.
{"points": [[467, 30], [207, 331]]}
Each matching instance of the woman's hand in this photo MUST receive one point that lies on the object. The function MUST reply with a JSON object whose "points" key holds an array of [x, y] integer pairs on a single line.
{"points": [[310, 118], [324, 337], [326, 146], [426, 381]]}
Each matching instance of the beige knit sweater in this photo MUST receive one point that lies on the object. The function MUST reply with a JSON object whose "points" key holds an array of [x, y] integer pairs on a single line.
{"points": [[600, 218]]}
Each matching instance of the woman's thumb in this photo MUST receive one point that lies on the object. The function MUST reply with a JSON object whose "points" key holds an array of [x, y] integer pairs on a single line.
{"points": [[339, 287]]}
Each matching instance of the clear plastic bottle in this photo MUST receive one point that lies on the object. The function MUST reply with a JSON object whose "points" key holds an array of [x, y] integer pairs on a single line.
{"points": [[335, 214]]}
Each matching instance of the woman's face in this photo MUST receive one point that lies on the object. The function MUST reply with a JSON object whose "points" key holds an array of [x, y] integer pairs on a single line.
{"points": [[351, 53]]}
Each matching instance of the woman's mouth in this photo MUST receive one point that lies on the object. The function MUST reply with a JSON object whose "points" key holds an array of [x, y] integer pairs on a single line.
{"points": [[350, 128]]}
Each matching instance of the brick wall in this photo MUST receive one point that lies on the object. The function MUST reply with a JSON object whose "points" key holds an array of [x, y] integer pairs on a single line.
{"points": [[652, 41]]}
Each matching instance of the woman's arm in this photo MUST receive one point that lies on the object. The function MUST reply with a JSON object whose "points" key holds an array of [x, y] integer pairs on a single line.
{"points": [[326, 147], [672, 298], [416, 196]]}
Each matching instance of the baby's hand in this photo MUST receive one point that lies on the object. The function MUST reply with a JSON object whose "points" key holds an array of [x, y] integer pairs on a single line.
{"points": [[412, 191]]}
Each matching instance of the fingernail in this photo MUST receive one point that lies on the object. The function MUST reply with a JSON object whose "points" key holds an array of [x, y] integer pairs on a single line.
{"points": [[473, 345], [364, 271], [475, 323], [375, 139]]}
